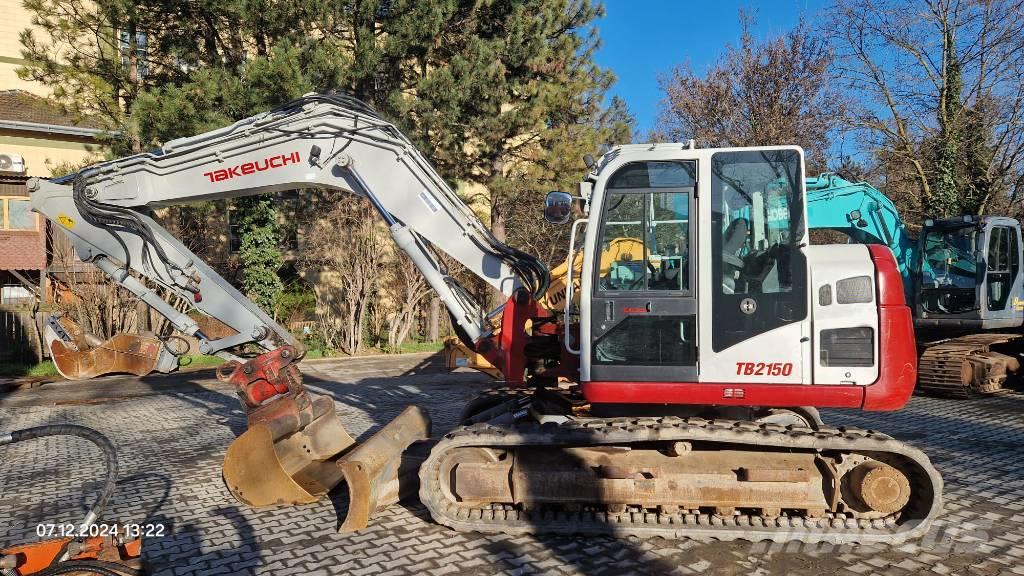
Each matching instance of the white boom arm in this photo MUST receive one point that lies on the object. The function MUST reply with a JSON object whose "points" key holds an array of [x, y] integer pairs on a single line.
{"points": [[327, 141]]}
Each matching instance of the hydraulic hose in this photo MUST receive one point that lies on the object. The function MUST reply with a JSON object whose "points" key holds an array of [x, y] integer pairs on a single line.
{"points": [[88, 567], [101, 441]]}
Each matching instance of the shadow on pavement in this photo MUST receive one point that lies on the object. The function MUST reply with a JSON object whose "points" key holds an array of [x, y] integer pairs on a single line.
{"points": [[179, 548], [968, 439]]}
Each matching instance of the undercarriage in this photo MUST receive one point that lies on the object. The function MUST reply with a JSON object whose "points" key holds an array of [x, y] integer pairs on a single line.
{"points": [[966, 366], [678, 477]]}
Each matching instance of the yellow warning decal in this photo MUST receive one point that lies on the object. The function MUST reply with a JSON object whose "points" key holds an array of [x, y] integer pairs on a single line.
{"points": [[66, 221]]}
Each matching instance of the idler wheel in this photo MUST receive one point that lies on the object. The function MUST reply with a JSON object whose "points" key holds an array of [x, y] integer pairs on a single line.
{"points": [[879, 487]]}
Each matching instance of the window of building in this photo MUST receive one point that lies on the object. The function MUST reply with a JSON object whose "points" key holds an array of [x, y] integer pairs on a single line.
{"points": [[141, 51], [234, 229], [14, 294], [16, 214]]}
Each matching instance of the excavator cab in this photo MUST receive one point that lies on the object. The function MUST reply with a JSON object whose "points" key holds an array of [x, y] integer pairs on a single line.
{"points": [[969, 274], [722, 234]]}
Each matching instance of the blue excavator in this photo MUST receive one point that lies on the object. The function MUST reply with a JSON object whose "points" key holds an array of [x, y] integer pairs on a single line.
{"points": [[962, 277]]}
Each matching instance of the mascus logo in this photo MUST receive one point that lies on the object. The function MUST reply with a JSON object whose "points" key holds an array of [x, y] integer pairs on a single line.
{"points": [[253, 167]]}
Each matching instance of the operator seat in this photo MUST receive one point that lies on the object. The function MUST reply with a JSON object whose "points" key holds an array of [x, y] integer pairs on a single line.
{"points": [[734, 238]]}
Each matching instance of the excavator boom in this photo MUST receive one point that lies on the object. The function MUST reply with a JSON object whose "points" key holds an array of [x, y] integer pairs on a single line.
{"points": [[296, 449], [330, 142]]}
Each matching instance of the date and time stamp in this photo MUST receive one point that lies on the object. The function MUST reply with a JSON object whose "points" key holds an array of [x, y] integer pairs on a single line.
{"points": [[126, 531]]}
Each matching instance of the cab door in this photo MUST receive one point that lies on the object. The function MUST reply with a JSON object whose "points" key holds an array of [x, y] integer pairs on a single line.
{"points": [[757, 281], [643, 304], [1002, 268]]}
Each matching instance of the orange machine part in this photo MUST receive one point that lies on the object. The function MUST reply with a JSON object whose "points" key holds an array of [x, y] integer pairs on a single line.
{"points": [[32, 558]]}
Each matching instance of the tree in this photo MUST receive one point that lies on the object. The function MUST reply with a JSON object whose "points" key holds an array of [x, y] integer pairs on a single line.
{"points": [[260, 249], [559, 166], [489, 90], [768, 93], [94, 59], [941, 98], [509, 83], [948, 158], [406, 288], [342, 260]]}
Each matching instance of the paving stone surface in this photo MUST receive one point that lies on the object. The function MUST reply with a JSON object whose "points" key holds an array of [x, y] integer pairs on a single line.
{"points": [[172, 431]]}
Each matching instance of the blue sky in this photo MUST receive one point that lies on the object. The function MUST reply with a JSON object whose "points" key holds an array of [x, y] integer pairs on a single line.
{"points": [[644, 38]]}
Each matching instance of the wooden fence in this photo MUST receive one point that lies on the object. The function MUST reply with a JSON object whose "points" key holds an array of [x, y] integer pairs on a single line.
{"points": [[20, 330]]}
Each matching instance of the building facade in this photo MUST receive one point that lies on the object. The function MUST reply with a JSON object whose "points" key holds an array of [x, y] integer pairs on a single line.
{"points": [[36, 139]]}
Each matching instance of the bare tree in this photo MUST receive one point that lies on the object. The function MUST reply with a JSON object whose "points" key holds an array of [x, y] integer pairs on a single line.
{"points": [[341, 259], [405, 291], [769, 93], [85, 295], [940, 98]]}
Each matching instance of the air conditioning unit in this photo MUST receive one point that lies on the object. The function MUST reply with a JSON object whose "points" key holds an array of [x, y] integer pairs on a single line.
{"points": [[12, 163]]}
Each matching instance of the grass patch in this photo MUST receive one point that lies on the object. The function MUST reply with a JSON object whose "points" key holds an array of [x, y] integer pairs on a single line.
{"points": [[199, 361], [41, 370], [319, 353], [409, 346], [48, 370]]}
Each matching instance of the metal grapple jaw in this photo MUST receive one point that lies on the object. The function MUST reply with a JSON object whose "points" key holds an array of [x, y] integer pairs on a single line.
{"points": [[80, 356], [296, 449]]}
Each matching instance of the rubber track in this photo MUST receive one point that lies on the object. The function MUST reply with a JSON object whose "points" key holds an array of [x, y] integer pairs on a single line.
{"points": [[939, 369], [925, 504]]}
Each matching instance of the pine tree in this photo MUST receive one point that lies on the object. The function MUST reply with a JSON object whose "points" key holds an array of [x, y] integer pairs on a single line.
{"points": [[498, 94], [94, 57], [507, 78]]}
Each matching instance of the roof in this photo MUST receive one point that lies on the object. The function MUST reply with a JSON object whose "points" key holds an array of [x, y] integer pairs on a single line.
{"points": [[12, 184], [20, 110]]}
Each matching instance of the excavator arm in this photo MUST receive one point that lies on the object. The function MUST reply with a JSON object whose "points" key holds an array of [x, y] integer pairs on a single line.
{"points": [[295, 449], [863, 213], [331, 142]]}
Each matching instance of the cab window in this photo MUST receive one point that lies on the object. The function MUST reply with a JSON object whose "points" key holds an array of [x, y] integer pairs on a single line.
{"points": [[1002, 266], [645, 237]]}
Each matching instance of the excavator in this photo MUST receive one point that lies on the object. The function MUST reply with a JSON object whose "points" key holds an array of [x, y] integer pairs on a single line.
{"points": [[961, 276], [677, 399]]}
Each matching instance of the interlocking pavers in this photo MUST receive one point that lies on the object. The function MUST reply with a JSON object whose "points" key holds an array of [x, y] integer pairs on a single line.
{"points": [[171, 433]]}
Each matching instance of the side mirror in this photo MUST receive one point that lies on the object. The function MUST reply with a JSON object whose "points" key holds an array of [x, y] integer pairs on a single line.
{"points": [[558, 207]]}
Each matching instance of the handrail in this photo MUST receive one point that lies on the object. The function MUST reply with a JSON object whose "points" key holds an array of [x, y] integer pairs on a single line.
{"points": [[567, 336]]}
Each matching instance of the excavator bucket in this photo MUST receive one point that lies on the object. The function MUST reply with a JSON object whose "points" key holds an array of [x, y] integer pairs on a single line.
{"points": [[296, 450], [80, 356]]}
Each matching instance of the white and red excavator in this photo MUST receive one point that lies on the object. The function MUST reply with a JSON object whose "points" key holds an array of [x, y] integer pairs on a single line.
{"points": [[677, 398]]}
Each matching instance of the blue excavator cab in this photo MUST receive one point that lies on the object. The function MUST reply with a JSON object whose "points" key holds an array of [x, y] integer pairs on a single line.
{"points": [[970, 274]]}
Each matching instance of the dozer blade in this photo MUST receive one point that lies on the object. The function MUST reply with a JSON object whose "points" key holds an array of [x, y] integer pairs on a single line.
{"points": [[80, 356], [296, 449], [385, 468]]}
